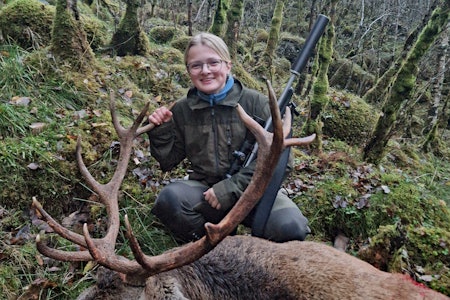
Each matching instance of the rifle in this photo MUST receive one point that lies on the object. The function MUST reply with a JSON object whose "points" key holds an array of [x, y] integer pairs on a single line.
{"points": [[266, 202]]}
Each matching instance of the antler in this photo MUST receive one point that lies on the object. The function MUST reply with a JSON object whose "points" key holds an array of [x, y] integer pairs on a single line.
{"points": [[108, 195], [102, 250]]}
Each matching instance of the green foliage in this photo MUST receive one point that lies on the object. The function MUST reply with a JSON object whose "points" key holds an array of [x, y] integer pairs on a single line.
{"points": [[27, 23], [419, 250], [404, 223], [16, 78]]}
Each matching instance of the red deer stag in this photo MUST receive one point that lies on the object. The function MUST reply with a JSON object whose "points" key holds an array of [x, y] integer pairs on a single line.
{"points": [[221, 267]]}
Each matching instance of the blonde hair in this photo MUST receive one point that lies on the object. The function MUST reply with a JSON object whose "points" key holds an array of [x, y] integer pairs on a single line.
{"points": [[211, 41]]}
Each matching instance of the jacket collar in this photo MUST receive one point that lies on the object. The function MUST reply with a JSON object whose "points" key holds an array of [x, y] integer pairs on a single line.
{"points": [[232, 99]]}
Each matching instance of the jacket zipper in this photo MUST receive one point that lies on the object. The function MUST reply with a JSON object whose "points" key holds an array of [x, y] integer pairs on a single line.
{"points": [[216, 146]]}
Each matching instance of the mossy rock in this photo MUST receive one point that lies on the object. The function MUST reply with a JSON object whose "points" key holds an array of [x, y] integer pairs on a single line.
{"points": [[180, 43], [289, 47], [348, 118], [164, 34], [28, 23], [262, 36]]}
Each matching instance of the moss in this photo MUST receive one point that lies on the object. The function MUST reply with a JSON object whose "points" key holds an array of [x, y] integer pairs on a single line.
{"points": [[332, 209], [69, 44], [164, 34], [384, 247], [130, 39], [27, 23], [261, 36], [429, 245], [348, 75], [220, 18], [180, 43], [348, 118], [97, 33]]}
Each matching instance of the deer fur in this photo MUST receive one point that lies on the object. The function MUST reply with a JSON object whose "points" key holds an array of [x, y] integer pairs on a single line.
{"points": [[244, 267]]}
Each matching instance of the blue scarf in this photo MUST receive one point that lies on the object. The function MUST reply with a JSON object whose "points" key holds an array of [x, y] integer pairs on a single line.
{"points": [[215, 98]]}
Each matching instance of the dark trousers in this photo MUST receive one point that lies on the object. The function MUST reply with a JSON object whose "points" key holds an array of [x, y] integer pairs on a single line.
{"points": [[182, 208]]}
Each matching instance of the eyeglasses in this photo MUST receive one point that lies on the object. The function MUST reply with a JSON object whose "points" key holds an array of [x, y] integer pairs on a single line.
{"points": [[196, 67]]}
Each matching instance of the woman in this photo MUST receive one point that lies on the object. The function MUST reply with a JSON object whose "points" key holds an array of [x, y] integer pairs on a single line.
{"points": [[204, 128]]}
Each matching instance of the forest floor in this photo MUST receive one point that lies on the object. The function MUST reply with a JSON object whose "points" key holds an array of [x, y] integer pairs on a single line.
{"points": [[401, 204]]}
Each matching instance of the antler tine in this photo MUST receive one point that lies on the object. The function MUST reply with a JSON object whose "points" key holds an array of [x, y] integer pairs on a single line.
{"points": [[287, 121], [61, 255], [136, 123], [62, 231]]}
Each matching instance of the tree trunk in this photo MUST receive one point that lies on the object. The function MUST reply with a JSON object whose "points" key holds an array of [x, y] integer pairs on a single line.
{"points": [[190, 17], [272, 40], [433, 114], [220, 18], [320, 87], [404, 83], [69, 41], [130, 39], [234, 17]]}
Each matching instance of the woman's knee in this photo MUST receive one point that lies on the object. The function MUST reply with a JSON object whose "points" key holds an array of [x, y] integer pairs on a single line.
{"points": [[286, 221], [175, 205], [284, 225]]}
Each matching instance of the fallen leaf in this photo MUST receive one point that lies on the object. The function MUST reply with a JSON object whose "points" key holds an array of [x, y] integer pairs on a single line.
{"points": [[33, 166], [17, 100], [385, 189], [429, 278], [95, 125]]}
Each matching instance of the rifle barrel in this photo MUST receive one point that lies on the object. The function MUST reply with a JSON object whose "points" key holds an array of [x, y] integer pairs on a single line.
{"points": [[297, 68]]}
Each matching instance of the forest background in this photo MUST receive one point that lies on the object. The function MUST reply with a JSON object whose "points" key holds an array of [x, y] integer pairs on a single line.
{"points": [[376, 92]]}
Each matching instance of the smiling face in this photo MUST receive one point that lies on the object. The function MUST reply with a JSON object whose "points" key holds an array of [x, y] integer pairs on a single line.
{"points": [[208, 71]]}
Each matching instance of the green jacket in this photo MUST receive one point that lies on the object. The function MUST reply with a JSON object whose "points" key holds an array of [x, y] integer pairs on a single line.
{"points": [[207, 136]]}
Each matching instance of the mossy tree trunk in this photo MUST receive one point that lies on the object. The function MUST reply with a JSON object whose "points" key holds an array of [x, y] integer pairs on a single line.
{"points": [[234, 16], [321, 85], [274, 35], [431, 128], [130, 39], [404, 83], [219, 24], [69, 43]]}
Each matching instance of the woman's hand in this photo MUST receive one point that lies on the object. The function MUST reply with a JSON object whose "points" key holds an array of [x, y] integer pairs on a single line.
{"points": [[160, 115], [211, 198]]}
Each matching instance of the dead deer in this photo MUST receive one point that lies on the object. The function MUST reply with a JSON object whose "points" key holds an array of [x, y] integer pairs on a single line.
{"points": [[217, 266]]}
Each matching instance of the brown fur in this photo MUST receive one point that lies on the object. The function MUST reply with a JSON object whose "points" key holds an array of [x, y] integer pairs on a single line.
{"points": [[243, 267]]}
